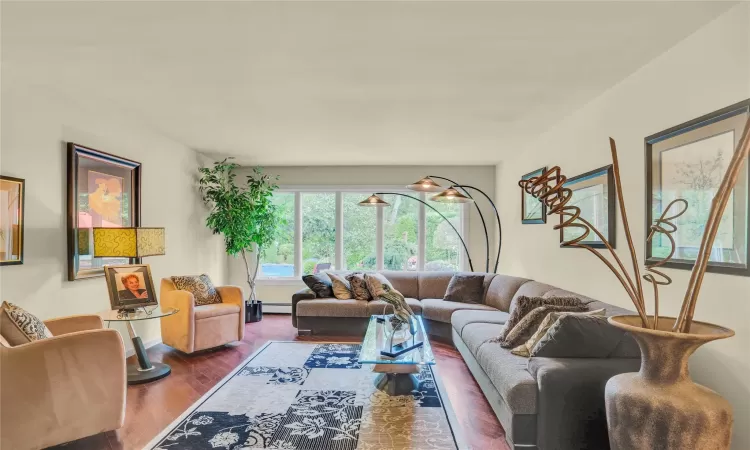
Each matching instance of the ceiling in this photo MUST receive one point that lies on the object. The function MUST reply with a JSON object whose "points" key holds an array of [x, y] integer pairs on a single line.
{"points": [[305, 83]]}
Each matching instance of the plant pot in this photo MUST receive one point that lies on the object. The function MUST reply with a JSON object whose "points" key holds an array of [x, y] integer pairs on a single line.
{"points": [[253, 311], [660, 407]]}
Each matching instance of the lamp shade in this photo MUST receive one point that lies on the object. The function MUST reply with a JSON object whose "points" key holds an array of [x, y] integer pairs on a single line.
{"points": [[128, 242], [426, 184], [374, 200], [451, 195]]}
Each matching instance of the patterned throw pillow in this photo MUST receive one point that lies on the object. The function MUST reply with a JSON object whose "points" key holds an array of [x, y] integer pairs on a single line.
{"points": [[530, 322], [522, 305], [200, 286], [19, 326], [319, 283], [342, 289], [525, 348], [376, 283], [359, 286]]}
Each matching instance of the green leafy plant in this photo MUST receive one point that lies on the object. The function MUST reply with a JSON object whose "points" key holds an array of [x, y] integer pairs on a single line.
{"points": [[245, 215]]}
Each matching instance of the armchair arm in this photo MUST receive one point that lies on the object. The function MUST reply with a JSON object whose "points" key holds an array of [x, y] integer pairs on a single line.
{"points": [[304, 294], [570, 407], [178, 330], [233, 295], [62, 388], [71, 324]]}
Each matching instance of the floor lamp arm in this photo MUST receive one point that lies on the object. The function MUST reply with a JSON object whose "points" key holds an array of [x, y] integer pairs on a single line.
{"points": [[466, 249], [497, 216]]}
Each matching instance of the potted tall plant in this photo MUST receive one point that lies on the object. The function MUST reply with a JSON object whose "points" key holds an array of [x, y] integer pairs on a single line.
{"points": [[245, 215]]}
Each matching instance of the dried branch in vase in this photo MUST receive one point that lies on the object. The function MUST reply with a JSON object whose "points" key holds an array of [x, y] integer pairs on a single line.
{"points": [[549, 188]]}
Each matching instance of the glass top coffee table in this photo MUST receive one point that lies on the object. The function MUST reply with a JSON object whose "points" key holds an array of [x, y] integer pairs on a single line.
{"points": [[397, 374]]}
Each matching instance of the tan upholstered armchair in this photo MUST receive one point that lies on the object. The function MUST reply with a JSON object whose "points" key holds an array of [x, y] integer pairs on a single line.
{"points": [[197, 328], [62, 388]]}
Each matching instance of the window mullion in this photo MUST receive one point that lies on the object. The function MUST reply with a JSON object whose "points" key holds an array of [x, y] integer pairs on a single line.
{"points": [[421, 234], [339, 231], [379, 242], [297, 234]]}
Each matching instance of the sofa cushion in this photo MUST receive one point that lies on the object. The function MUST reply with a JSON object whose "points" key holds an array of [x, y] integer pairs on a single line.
{"points": [[200, 286], [320, 283], [404, 282], [578, 336], [377, 284], [341, 287], [476, 334], [332, 307], [375, 307], [523, 305], [440, 310], [526, 327], [461, 318], [510, 376], [19, 326], [358, 286], [433, 284], [501, 290], [465, 288], [216, 309]]}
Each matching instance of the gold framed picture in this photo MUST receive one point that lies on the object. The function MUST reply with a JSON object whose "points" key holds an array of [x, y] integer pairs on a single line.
{"points": [[130, 286]]}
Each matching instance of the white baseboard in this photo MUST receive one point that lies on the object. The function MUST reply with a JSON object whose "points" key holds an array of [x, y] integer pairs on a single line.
{"points": [[147, 345], [282, 309]]}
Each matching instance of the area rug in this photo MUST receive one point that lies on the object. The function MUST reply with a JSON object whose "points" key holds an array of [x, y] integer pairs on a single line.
{"points": [[313, 396]]}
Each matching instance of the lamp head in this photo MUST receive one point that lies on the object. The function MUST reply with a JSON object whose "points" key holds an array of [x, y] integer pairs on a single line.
{"points": [[451, 195], [426, 184], [374, 200]]}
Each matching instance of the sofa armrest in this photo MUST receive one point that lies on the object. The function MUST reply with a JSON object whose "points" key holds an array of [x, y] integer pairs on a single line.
{"points": [[304, 294], [58, 389], [570, 407], [178, 330], [71, 324], [233, 295]]}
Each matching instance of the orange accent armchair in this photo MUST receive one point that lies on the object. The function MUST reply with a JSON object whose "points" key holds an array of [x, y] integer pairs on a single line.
{"points": [[197, 328], [62, 388]]}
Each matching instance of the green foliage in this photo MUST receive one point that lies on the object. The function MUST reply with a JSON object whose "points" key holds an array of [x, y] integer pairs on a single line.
{"points": [[244, 215]]}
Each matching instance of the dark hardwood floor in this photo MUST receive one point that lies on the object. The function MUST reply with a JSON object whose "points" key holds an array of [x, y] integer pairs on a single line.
{"points": [[153, 406]]}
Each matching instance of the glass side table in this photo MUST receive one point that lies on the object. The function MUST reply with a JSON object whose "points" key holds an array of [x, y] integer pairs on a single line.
{"points": [[145, 371]]}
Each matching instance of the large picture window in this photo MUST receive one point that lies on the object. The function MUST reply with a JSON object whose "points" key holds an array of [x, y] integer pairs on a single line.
{"points": [[326, 229]]}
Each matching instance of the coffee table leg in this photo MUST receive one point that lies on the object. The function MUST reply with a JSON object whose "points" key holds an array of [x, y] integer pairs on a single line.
{"points": [[396, 379], [145, 371]]}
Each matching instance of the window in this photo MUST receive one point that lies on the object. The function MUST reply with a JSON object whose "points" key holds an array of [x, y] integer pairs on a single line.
{"points": [[326, 229], [360, 234], [318, 232], [278, 260]]}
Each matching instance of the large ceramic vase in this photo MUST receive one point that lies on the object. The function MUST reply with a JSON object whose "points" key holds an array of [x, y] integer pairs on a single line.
{"points": [[660, 407]]}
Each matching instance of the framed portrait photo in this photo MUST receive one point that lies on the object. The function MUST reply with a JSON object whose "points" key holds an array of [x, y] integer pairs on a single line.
{"points": [[532, 210], [12, 197], [594, 194], [689, 161], [104, 190], [130, 286]]}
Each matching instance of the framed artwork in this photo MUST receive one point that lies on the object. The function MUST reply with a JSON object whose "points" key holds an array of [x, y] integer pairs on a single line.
{"points": [[104, 190], [532, 210], [594, 193], [689, 161], [130, 286], [12, 197]]}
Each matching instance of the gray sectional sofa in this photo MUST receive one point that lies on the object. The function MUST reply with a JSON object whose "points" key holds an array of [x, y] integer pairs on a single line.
{"points": [[542, 403]]}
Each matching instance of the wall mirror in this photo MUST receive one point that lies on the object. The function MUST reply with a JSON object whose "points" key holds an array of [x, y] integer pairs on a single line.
{"points": [[11, 220]]}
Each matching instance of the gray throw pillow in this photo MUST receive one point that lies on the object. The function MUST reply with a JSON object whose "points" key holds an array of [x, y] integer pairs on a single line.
{"points": [[526, 327], [522, 305], [578, 336], [465, 288], [319, 283]]}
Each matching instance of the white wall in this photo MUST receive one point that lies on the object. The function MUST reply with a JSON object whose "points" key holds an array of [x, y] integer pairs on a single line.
{"points": [[36, 122], [705, 72], [482, 177]]}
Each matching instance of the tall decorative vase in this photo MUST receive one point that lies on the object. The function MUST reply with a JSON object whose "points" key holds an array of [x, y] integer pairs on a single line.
{"points": [[660, 407]]}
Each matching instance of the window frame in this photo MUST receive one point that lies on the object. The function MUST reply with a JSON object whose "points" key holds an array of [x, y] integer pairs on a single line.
{"points": [[366, 190]]}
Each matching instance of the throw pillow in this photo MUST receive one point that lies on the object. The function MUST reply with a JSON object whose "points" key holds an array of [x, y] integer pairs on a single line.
{"points": [[522, 305], [342, 289], [525, 348], [579, 337], [523, 330], [319, 283], [200, 286], [465, 288], [20, 326], [359, 286], [376, 283]]}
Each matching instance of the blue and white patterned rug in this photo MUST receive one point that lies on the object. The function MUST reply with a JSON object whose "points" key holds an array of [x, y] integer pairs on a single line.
{"points": [[312, 396]]}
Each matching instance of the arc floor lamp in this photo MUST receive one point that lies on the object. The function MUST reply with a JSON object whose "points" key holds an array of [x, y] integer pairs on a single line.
{"points": [[455, 193]]}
